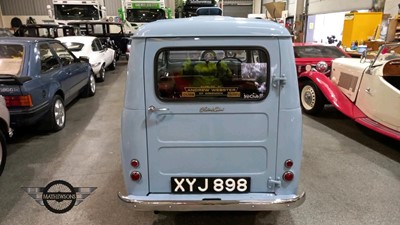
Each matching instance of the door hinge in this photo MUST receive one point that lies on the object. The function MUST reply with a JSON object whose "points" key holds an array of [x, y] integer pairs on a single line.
{"points": [[278, 79], [271, 183]]}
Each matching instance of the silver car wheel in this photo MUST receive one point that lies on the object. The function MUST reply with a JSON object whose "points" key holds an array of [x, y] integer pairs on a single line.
{"points": [[59, 113], [92, 83], [102, 72]]}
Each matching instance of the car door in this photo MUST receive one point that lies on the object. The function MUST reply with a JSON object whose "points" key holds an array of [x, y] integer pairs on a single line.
{"points": [[101, 51], [76, 72], [211, 127]]}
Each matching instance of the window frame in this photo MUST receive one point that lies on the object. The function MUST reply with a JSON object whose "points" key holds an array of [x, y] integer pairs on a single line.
{"points": [[249, 56], [54, 55], [66, 49]]}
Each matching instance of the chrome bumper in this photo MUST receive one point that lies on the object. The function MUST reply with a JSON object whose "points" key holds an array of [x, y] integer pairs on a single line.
{"points": [[216, 205]]}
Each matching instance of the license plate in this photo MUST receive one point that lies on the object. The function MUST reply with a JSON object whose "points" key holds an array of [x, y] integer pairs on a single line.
{"points": [[189, 185]]}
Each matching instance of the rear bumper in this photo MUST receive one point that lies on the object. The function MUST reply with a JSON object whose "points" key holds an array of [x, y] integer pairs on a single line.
{"points": [[265, 202], [27, 117]]}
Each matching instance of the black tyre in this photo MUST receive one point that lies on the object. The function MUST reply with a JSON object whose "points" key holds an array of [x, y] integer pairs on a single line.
{"points": [[113, 65], [311, 98], [102, 74], [57, 116], [90, 88], [3, 152]]}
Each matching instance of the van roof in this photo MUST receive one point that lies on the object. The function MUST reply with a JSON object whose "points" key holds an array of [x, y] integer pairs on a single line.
{"points": [[212, 26]]}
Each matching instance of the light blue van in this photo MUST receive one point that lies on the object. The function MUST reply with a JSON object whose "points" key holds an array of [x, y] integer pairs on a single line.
{"points": [[211, 117]]}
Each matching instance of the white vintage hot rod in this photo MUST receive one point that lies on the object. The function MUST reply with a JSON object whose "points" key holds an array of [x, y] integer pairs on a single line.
{"points": [[367, 89]]}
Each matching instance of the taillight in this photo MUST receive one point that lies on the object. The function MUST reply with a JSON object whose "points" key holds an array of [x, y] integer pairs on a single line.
{"points": [[288, 163], [136, 176], [288, 176], [20, 100], [135, 163]]}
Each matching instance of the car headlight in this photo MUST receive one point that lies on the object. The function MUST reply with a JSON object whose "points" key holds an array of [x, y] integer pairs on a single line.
{"points": [[322, 67]]}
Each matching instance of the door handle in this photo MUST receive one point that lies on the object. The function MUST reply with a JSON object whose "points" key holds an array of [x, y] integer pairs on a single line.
{"points": [[152, 108]]}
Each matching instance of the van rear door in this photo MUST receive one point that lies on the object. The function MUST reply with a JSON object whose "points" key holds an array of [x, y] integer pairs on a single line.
{"points": [[212, 115]]}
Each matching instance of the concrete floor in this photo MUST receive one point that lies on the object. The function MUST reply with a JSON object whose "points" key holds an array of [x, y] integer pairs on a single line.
{"points": [[351, 175]]}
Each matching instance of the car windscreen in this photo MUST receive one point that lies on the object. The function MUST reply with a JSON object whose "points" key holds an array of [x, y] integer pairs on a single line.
{"points": [[76, 12], [218, 74], [318, 52], [74, 46], [11, 59], [144, 15]]}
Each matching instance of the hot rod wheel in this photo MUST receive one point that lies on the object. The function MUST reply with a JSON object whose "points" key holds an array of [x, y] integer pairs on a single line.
{"points": [[311, 99]]}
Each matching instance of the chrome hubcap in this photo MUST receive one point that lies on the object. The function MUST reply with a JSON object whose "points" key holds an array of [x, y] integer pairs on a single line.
{"points": [[92, 83], [102, 72], [308, 97], [59, 113]]}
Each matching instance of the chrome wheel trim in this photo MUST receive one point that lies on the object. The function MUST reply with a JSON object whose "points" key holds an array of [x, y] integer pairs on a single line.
{"points": [[308, 97], [92, 83], [114, 63], [102, 72], [59, 113]]}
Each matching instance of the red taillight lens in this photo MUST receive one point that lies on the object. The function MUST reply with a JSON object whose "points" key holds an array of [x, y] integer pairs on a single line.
{"points": [[135, 163], [21, 100], [136, 176], [288, 176], [288, 163]]}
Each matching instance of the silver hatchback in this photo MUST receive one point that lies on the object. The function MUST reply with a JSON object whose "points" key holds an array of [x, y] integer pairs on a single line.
{"points": [[5, 131]]}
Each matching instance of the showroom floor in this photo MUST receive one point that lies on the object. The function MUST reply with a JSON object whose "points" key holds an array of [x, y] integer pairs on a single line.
{"points": [[351, 175]]}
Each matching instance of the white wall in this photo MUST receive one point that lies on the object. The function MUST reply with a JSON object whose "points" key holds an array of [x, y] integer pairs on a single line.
{"points": [[327, 25], [1, 18], [391, 7], [330, 6]]}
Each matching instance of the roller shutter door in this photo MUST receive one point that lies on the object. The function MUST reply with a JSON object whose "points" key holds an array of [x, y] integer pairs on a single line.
{"points": [[238, 10]]}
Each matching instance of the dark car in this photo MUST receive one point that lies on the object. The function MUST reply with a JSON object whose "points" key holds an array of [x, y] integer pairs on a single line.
{"points": [[46, 30], [103, 29], [38, 77]]}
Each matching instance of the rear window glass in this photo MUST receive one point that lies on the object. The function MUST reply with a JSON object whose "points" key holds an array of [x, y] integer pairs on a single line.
{"points": [[11, 59], [318, 52], [212, 74]]}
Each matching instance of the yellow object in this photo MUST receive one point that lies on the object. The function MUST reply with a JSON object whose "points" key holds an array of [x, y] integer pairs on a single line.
{"points": [[360, 26]]}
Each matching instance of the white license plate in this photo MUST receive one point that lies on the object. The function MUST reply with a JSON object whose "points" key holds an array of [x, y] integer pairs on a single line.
{"points": [[210, 184]]}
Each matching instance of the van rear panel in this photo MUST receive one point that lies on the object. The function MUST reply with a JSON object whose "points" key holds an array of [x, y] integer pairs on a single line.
{"points": [[214, 116], [210, 130]]}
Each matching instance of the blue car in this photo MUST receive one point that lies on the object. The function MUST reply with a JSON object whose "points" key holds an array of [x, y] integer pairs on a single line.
{"points": [[38, 78]]}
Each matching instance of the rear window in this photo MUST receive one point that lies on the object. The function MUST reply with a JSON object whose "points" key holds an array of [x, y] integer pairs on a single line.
{"points": [[74, 46], [318, 52], [11, 59], [222, 74]]}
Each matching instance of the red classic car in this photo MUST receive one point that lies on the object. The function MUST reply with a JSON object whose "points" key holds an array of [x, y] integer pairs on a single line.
{"points": [[366, 90], [318, 56]]}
